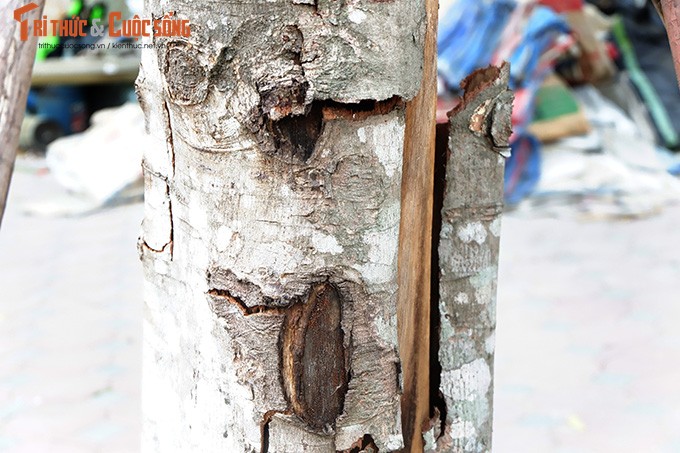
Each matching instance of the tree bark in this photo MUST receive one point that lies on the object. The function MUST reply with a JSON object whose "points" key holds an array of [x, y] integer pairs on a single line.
{"points": [[271, 232], [16, 63], [670, 12], [480, 127]]}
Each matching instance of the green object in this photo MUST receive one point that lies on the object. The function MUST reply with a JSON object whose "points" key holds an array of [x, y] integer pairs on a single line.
{"points": [[97, 12], [649, 95], [76, 8], [553, 101], [43, 51]]}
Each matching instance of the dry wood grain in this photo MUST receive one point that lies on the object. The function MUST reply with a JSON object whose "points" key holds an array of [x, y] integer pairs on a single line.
{"points": [[415, 239]]}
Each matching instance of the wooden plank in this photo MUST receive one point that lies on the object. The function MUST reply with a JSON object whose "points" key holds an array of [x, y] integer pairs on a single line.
{"points": [[415, 244]]}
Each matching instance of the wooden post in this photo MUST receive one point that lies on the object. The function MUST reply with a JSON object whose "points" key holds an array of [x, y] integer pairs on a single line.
{"points": [[16, 65], [468, 257], [415, 244]]}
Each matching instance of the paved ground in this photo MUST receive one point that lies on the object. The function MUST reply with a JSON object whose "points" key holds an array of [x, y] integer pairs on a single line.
{"points": [[70, 327], [588, 344]]}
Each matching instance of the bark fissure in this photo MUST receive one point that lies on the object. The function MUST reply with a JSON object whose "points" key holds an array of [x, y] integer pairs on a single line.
{"points": [[437, 402], [365, 444]]}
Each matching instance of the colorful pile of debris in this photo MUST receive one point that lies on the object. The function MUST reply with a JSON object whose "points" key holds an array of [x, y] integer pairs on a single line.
{"points": [[597, 105]]}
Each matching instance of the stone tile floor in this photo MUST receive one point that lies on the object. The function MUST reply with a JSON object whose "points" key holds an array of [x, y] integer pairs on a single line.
{"points": [[588, 341]]}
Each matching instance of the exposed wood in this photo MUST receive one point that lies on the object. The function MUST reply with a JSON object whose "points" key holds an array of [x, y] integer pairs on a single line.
{"points": [[314, 367], [415, 243], [271, 228], [670, 12], [16, 63], [480, 127]]}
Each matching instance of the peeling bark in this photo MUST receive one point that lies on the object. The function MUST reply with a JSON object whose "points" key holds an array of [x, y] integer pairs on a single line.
{"points": [[468, 257], [271, 230]]}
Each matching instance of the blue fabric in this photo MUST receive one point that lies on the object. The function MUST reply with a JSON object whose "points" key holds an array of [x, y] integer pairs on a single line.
{"points": [[469, 33], [522, 168], [543, 27]]}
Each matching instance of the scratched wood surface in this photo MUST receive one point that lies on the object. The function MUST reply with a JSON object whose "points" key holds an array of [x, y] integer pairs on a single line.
{"points": [[415, 244]]}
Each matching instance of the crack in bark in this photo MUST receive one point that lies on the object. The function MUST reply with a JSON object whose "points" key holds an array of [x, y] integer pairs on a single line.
{"points": [[365, 444], [225, 295], [264, 428], [170, 139], [437, 402]]}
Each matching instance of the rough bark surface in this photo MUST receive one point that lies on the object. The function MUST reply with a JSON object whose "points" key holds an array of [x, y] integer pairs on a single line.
{"points": [[468, 255], [271, 229], [670, 12], [16, 65]]}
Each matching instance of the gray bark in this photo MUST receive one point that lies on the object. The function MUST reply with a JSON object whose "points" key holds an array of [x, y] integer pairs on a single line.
{"points": [[271, 231], [468, 256], [16, 65]]}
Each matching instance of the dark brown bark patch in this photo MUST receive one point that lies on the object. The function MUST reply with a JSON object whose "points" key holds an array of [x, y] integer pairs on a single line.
{"points": [[314, 371], [365, 444]]}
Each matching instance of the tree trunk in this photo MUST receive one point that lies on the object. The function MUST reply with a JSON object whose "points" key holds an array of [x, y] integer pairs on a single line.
{"points": [[272, 216], [480, 127], [670, 12], [16, 63]]}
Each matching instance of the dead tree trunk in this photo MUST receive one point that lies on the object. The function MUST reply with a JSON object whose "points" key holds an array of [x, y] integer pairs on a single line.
{"points": [[271, 232], [16, 65], [468, 257]]}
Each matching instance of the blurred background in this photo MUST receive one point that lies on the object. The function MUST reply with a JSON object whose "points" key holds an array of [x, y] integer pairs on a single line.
{"points": [[587, 345]]}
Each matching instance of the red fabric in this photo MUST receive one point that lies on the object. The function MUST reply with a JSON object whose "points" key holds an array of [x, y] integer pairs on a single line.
{"points": [[562, 6]]}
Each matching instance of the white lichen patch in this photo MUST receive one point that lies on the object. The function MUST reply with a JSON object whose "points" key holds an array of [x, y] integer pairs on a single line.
{"points": [[462, 429], [461, 298], [484, 283], [388, 144], [361, 132], [490, 343], [495, 227], [473, 231], [324, 243], [224, 238], [357, 16], [468, 383]]}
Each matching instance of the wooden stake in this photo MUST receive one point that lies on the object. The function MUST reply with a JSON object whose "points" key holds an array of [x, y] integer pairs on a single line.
{"points": [[415, 243]]}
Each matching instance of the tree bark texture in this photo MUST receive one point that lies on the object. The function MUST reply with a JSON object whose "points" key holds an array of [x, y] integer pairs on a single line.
{"points": [[16, 65], [271, 231], [670, 12], [480, 127]]}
